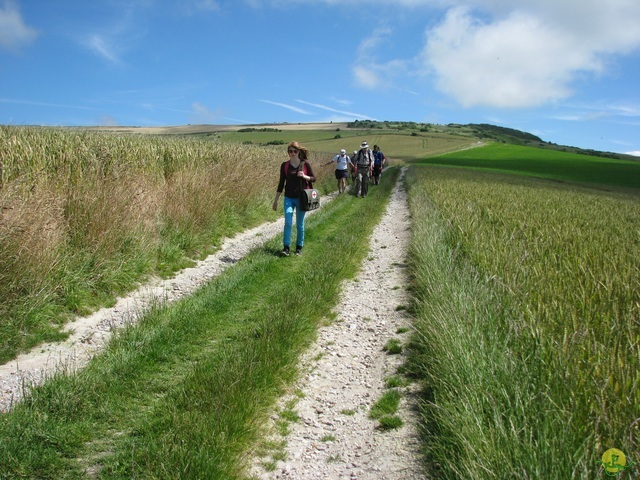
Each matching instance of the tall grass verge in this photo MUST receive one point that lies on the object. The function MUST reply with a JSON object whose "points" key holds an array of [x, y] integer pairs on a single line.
{"points": [[528, 301], [184, 392], [85, 216]]}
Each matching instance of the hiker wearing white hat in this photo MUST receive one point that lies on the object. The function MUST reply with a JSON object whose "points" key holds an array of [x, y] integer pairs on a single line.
{"points": [[342, 165], [364, 165]]}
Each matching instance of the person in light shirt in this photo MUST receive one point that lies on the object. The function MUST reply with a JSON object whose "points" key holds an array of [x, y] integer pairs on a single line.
{"points": [[342, 162]]}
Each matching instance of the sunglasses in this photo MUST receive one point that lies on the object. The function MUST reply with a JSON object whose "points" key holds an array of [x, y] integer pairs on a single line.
{"points": [[293, 150]]}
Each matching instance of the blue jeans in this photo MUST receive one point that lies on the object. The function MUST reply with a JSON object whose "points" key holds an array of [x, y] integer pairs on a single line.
{"points": [[289, 205]]}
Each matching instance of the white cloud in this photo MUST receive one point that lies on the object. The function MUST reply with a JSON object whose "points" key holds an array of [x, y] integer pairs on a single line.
{"points": [[103, 48], [595, 25], [202, 114], [365, 77], [636, 153], [43, 104], [370, 73], [120, 32], [618, 112], [626, 110], [289, 107], [498, 53], [354, 3], [14, 33], [511, 63], [341, 101], [334, 110], [527, 53]]}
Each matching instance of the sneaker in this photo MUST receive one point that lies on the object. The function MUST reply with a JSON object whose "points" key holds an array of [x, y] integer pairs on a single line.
{"points": [[285, 252], [298, 251]]}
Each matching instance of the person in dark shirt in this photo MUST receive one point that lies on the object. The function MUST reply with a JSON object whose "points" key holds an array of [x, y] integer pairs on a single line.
{"points": [[378, 163], [295, 174]]}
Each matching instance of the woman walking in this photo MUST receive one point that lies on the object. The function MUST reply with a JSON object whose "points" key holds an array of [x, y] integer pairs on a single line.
{"points": [[295, 174]]}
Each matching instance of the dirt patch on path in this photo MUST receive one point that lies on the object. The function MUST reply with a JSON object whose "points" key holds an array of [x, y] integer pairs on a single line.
{"points": [[345, 373]]}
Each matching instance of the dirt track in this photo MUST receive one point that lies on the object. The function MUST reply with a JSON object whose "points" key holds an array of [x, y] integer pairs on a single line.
{"points": [[342, 375]]}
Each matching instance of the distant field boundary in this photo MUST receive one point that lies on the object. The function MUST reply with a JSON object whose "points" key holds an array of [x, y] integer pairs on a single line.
{"points": [[205, 128]]}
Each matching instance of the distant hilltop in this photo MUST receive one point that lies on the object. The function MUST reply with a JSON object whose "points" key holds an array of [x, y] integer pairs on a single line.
{"points": [[482, 131]]}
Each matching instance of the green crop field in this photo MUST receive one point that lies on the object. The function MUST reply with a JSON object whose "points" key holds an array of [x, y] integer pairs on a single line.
{"points": [[525, 280], [556, 165], [527, 311]]}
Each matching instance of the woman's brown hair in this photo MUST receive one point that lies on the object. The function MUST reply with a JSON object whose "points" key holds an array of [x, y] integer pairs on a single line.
{"points": [[303, 152]]}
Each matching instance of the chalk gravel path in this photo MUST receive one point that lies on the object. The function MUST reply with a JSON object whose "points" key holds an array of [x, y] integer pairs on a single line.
{"points": [[342, 374]]}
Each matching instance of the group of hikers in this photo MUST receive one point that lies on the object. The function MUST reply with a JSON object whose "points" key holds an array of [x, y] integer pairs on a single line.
{"points": [[364, 165], [296, 174]]}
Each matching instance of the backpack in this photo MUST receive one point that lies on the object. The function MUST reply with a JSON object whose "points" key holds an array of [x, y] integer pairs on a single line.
{"points": [[363, 158]]}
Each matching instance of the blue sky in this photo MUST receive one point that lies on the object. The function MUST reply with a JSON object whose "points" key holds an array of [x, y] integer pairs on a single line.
{"points": [[565, 70]]}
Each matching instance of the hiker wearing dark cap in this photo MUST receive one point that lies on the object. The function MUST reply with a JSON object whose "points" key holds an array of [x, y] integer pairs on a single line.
{"points": [[364, 165]]}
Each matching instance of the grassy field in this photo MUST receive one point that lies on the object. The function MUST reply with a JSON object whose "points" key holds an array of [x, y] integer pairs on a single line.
{"points": [[183, 393], [400, 146], [527, 318], [86, 216], [536, 162], [403, 141], [525, 279]]}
